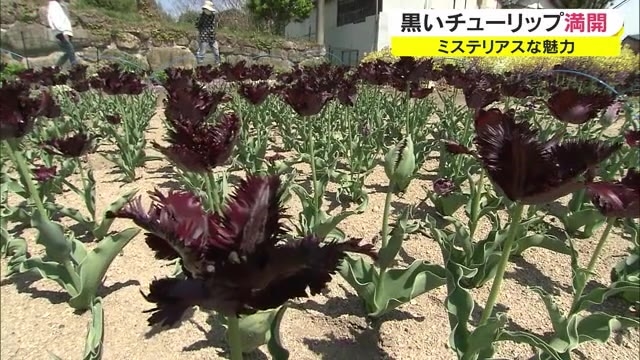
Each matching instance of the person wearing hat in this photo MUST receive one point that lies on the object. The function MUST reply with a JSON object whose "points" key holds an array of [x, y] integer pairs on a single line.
{"points": [[206, 25]]}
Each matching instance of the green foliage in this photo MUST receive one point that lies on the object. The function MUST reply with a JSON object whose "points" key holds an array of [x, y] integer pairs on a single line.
{"points": [[189, 17], [121, 6], [627, 270], [342, 146], [383, 290], [261, 328], [129, 62], [610, 69], [581, 4], [276, 14], [10, 70]]}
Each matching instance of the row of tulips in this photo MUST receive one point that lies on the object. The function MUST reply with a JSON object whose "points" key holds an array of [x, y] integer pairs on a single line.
{"points": [[237, 255]]}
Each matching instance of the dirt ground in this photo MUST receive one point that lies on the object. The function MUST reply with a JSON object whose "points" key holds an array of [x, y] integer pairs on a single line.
{"points": [[36, 321]]}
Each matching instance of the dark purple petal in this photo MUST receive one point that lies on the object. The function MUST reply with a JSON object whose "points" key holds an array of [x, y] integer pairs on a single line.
{"points": [[113, 119], [43, 173], [301, 268], [347, 93], [192, 104], [573, 107], [173, 297], [456, 148], [201, 147], [443, 186], [236, 72], [17, 109], [75, 145], [48, 106], [253, 216], [304, 99], [518, 85], [632, 179], [177, 218], [533, 172], [491, 117], [114, 80], [418, 92], [478, 97], [632, 137], [256, 93], [619, 199]]}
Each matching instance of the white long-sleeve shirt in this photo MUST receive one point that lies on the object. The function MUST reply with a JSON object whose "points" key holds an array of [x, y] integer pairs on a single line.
{"points": [[58, 20]]}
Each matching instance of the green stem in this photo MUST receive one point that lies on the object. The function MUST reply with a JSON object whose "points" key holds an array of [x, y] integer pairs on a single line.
{"points": [[25, 173], [85, 186], [233, 337], [385, 214], [211, 195], [385, 232], [81, 173], [314, 175], [579, 201], [75, 278], [516, 216], [592, 263], [475, 205], [408, 110], [624, 160], [350, 135]]}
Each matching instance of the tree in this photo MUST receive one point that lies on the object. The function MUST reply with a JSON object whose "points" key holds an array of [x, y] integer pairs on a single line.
{"points": [[581, 4], [559, 4], [182, 6], [276, 14]]}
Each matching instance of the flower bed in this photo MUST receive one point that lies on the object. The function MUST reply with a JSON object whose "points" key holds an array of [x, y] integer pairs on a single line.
{"points": [[511, 189]]}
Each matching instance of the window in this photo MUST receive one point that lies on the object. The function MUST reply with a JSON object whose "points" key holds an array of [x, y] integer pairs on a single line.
{"points": [[356, 11]]}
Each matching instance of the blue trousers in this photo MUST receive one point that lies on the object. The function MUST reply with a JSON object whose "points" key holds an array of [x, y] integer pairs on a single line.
{"points": [[202, 49], [69, 53]]}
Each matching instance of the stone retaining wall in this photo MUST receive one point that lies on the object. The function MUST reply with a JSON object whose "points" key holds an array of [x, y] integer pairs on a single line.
{"points": [[34, 41]]}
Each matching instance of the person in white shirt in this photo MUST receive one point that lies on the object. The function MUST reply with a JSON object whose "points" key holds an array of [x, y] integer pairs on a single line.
{"points": [[61, 28]]}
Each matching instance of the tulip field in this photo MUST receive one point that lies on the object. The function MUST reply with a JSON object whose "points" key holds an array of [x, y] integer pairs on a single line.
{"points": [[412, 209]]}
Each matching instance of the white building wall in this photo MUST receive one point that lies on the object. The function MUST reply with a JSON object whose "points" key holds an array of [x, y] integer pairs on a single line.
{"points": [[390, 5], [361, 36], [338, 39]]}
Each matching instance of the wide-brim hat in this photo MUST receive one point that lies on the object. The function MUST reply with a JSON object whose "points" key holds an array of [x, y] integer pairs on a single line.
{"points": [[208, 5]]}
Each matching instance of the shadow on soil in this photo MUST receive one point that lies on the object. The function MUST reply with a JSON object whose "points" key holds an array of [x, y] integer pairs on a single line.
{"points": [[215, 337], [527, 274], [363, 344], [364, 339], [24, 285], [350, 304]]}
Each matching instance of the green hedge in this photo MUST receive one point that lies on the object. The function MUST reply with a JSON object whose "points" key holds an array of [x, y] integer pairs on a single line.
{"points": [[614, 69]]}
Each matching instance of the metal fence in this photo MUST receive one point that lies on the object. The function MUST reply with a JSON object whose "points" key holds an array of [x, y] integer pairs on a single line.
{"points": [[335, 55], [19, 52], [308, 36], [342, 56]]}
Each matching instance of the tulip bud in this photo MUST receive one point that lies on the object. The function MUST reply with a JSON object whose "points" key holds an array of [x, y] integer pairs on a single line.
{"points": [[400, 163]]}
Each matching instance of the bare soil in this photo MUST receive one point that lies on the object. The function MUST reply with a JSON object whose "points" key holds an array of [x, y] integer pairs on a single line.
{"points": [[36, 321]]}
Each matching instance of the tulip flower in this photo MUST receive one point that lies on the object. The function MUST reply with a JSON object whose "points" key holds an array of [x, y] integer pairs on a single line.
{"points": [[527, 169], [74, 146], [570, 106], [620, 199], [203, 146], [238, 262], [255, 93]]}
